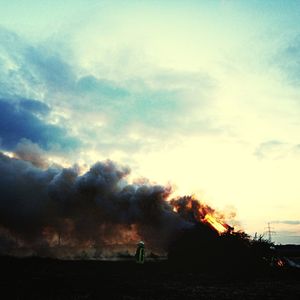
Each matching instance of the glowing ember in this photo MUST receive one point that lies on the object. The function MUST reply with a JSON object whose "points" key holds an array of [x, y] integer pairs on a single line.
{"points": [[280, 263], [217, 225]]}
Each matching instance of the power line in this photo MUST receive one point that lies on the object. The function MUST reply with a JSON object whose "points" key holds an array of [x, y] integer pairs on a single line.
{"points": [[270, 232]]}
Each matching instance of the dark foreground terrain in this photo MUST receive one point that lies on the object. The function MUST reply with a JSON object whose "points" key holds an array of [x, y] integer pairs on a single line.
{"points": [[36, 278]]}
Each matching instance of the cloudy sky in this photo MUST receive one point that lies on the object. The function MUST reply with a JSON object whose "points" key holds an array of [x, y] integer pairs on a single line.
{"points": [[204, 95]]}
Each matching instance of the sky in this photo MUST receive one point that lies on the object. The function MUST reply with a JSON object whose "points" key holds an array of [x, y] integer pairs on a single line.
{"points": [[203, 95]]}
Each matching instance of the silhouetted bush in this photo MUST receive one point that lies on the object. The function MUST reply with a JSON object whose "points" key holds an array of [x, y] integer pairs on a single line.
{"points": [[203, 248]]}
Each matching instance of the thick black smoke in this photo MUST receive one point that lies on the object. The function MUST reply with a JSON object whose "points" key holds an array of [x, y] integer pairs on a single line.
{"points": [[59, 208]]}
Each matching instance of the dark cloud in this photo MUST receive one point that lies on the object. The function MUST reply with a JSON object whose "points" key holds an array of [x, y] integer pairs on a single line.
{"points": [[19, 119], [34, 106], [157, 107]]}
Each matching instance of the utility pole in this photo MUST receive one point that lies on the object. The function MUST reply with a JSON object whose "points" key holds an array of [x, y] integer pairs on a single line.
{"points": [[270, 232]]}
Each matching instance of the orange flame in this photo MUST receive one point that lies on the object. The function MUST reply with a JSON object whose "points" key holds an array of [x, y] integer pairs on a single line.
{"points": [[216, 224], [188, 206]]}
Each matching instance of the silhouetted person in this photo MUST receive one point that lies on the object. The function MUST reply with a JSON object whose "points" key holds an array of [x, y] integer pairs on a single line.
{"points": [[140, 253]]}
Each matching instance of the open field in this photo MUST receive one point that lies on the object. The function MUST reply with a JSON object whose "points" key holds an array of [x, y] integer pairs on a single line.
{"points": [[36, 278]]}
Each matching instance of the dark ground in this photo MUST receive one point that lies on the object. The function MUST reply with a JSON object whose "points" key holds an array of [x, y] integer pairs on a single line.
{"points": [[36, 278]]}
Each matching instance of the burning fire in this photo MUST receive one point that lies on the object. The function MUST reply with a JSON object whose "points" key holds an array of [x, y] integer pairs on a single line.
{"points": [[216, 224], [190, 208]]}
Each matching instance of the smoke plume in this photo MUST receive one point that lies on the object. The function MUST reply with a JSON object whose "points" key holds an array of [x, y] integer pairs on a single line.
{"points": [[28, 151], [60, 211], [44, 208]]}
